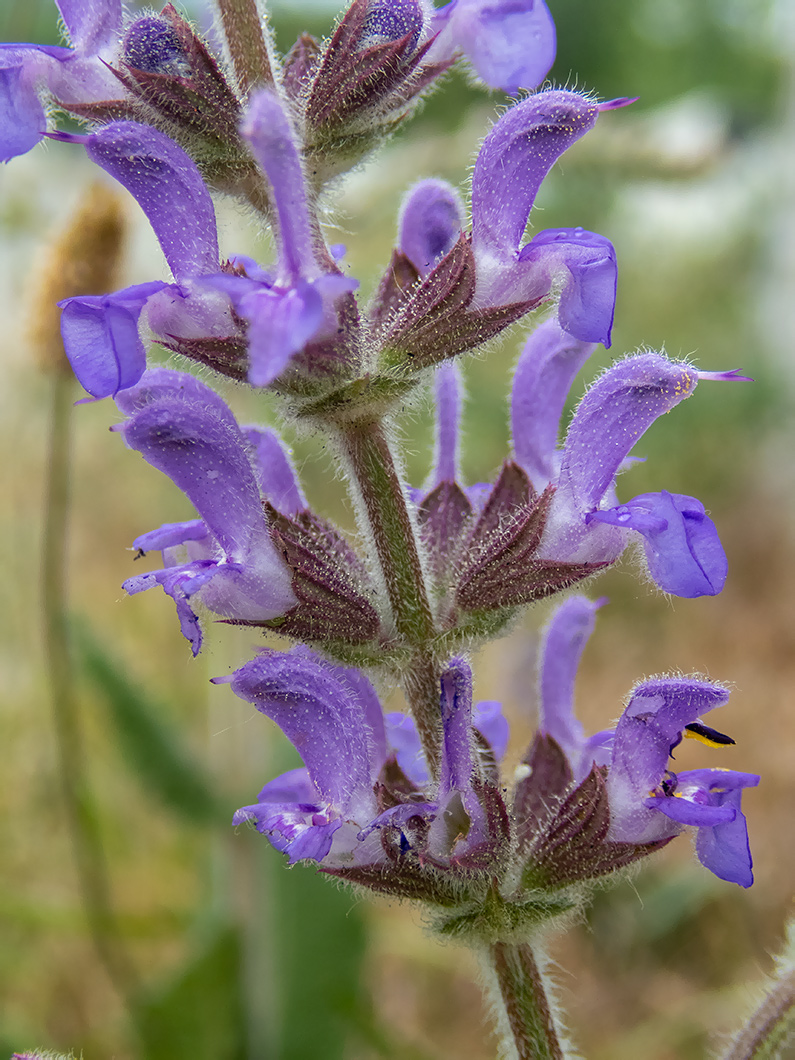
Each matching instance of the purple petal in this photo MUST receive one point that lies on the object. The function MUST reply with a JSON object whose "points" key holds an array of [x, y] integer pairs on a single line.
{"points": [[152, 45], [724, 848], [275, 473], [281, 323], [682, 546], [316, 707], [169, 188], [588, 263], [268, 130], [430, 223], [404, 740], [456, 703], [22, 118], [544, 374], [449, 397], [101, 339], [492, 725], [564, 642], [647, 730], [91, 24], [170, 535], [615, 412], [514, 159], [178, 428], [180, 583], [510, 43]]}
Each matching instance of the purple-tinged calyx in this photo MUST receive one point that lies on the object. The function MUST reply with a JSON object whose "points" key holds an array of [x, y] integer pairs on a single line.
{"points": [[430, 224], [514, 159], [72, 75], [510, 43], [186, 431], [649, 802]]}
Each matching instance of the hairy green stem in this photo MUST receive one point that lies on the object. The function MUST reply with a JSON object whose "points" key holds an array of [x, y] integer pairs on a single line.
{"points": [[526, 1010], [394, 536], [89, 853], [243, 29], [771, 1028]]}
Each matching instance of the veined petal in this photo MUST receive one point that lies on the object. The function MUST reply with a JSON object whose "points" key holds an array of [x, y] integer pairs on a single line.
{"points": [[281, 322], [275, 473], [169, 189], [620, 406], [650, 726], [22, 118], [317, 708], [564, 641], [510, 43], [587, 262], [101, 339], [268, 130], [682, 546], [514, 159], [449, 398], [544, 374], [92, 24], [430, 223]]}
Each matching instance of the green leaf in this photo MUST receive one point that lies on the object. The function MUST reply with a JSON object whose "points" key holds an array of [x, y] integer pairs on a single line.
{"points": [[149, 745], [199, 1014]]}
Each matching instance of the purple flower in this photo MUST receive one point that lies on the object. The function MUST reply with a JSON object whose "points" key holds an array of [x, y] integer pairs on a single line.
{"points": [[328, 811], [510, 43], [184, 429], [71, 75], [585, 523], [297, 304], [562, 646], [514, 159], [647, 801], [101, 334]]}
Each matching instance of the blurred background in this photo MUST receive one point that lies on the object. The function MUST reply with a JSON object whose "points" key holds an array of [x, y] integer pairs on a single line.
{"points": [[186, 939]]}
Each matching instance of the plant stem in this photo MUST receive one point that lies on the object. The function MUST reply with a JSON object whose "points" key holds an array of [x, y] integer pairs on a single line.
{"points": [[89, 853], [526, 1009], [771, 1028], [392, 529], [248, 49], [394, 535]]}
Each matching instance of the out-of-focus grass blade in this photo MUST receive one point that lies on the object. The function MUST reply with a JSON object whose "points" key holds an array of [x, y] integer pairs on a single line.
{"points": [[321, 939], [199, 1014], [151, 747]]}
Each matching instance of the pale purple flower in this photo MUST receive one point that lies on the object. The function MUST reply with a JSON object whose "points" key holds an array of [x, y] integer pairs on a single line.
{"points": [[229, 562], [510, 43], [101, 334], [647, 801], [328, 811], [514, 159], [431, 220], [585, 523], [31, 73]]}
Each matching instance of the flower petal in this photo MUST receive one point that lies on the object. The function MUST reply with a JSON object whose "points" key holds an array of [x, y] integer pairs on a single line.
{"points": [[169, 189], [682, 546], [449, 397], [431, 221], [275, 473], [544, 374]]}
